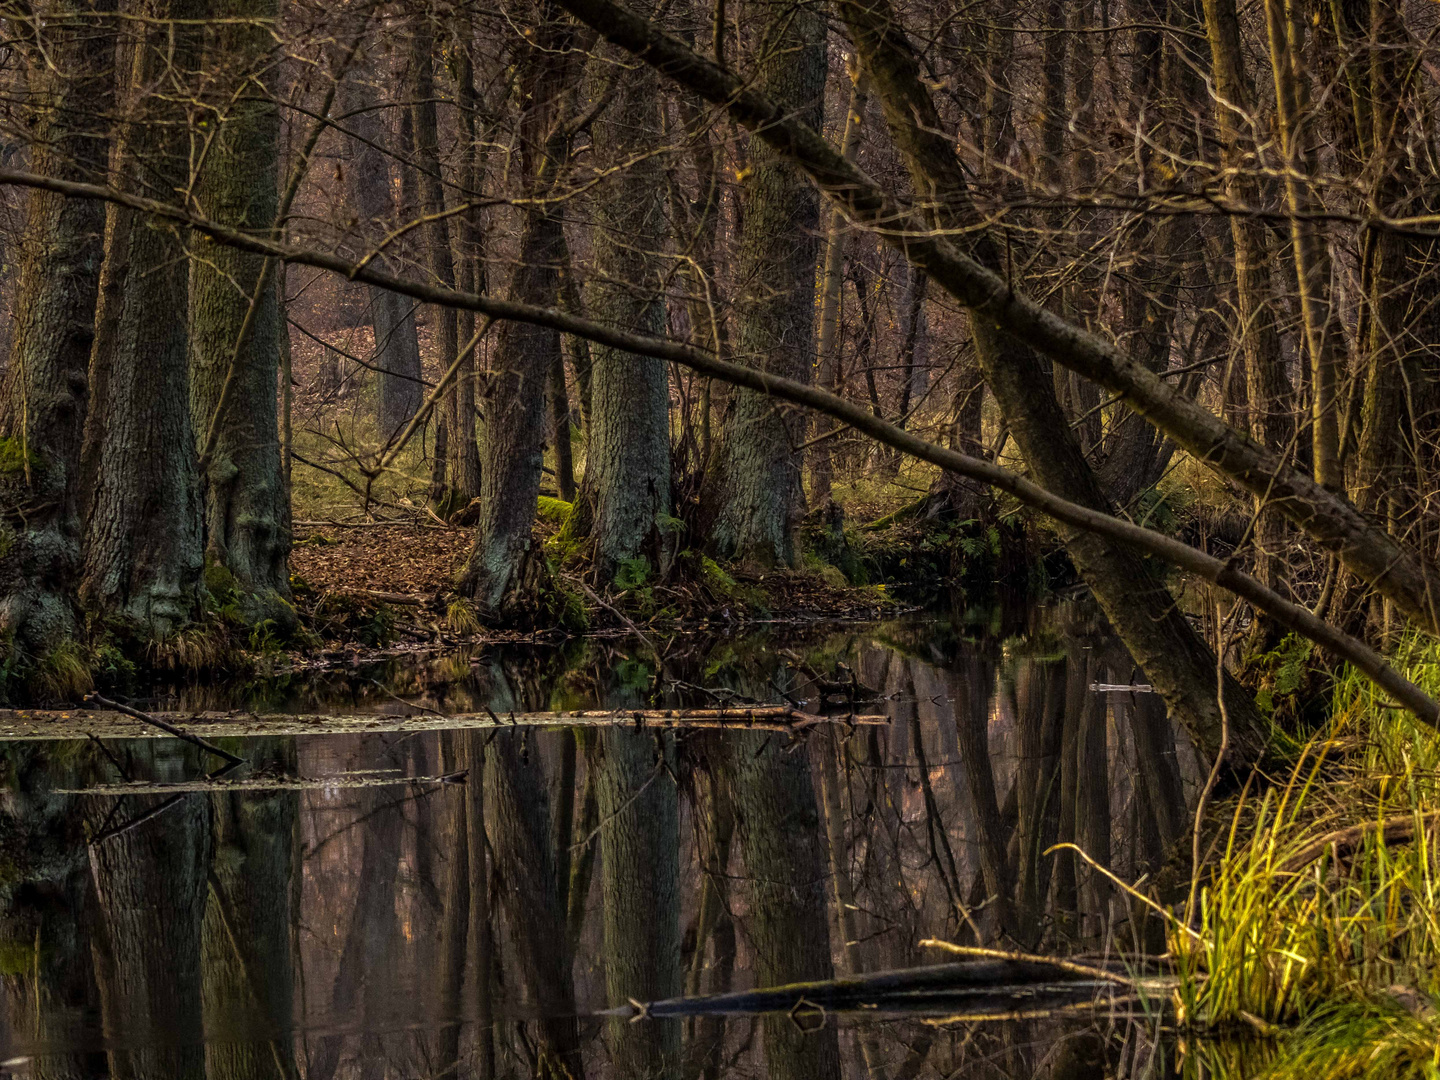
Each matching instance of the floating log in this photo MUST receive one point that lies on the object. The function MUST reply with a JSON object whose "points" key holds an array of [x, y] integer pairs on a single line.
{"points": [[18, 724], [976, 988], [338, 782]]}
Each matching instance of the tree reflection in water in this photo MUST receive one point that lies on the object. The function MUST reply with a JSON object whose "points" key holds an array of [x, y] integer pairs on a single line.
{"points": [[476, 929]]}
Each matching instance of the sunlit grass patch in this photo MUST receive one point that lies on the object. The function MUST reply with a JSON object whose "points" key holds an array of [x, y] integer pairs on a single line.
{"points": [[1319, 923]]}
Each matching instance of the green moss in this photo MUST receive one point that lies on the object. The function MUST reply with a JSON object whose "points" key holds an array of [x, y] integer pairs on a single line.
{"points": [[554, 511], [17, 957], [14, 457], [714, 578], [7, 539]]}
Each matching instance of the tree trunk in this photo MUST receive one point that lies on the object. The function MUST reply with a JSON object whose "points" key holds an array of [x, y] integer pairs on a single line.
{"points": [[143, 539], [1323, 338], [757, 483], [778, 825], [471, 254], [500, 571], [396, 351], [832, 290], [640, 883], [1139, 606], [627, 463], [245, 947], [464, 454], [42, 414], [151, 893], [504, 566], [245, 497], [1270, 396]]}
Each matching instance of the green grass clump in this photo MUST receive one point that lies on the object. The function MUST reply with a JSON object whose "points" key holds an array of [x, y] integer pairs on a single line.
{"points": [[64, 673], [462, 618], [1319, 924]]}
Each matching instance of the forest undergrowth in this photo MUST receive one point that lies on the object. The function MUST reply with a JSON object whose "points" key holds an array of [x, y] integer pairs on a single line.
{"points": [[1315, 926]]}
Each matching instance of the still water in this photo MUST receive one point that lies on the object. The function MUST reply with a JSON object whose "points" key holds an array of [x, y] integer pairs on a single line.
{"points": [[370, 925]]}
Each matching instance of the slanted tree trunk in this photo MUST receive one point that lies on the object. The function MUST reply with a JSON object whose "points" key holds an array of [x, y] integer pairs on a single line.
{"points": [[245, 947], [143, 539], [1135, 599], [627, 462], [756, 487], [42, 414], [246, 529], [396, 351]]}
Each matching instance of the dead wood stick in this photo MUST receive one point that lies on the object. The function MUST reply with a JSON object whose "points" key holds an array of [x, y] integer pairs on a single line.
{"points": [[168, 728], [272, 783], [1393, 830], [25, 724]]}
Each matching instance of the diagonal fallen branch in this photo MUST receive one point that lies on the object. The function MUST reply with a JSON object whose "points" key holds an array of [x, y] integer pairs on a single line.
{"points": [[167, 727]]}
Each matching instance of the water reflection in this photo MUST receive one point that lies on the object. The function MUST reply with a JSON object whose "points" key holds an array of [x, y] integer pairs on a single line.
{"points": [[476, 929]]}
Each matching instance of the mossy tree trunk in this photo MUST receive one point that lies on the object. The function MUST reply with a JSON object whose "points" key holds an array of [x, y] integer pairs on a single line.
{"points": [[627, 464], [756, 486], [505, 569], [69, 57], [246, 519], [143, 539]]}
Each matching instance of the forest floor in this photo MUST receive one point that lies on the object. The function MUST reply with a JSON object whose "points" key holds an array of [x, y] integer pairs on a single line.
{"points": [[375, 583]]}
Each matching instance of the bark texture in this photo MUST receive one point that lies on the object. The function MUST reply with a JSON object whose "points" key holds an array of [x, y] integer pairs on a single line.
{"points": [[758, 480], [627, 470], [640, 883], [235, 322], [68, 59], [143, 546]]}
